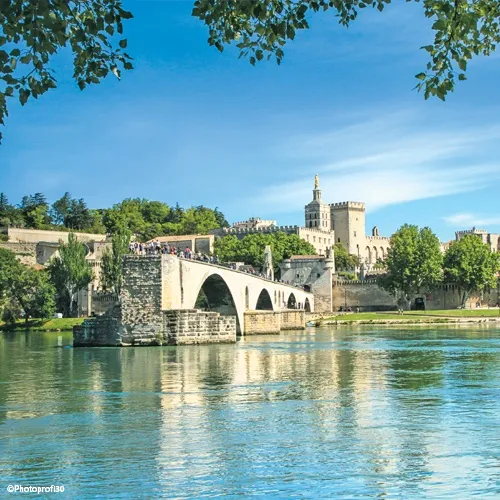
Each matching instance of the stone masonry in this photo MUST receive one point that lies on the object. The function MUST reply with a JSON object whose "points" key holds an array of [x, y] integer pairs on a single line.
{"points": [[190, 326]]}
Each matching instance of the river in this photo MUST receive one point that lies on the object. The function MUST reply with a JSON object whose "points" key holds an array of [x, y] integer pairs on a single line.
{"points": [[366, 412]]}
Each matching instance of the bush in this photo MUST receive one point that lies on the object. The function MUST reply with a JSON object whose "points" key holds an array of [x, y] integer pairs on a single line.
{"points": [[347, 276]]}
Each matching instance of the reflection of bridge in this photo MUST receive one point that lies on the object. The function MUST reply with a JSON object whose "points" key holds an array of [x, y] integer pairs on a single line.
{"points": [[190, 284]]}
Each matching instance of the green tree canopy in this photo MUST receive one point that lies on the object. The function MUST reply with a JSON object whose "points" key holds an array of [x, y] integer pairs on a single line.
{"points": [[25, 289], [344, 261], [414, 261], [260, 29], [32, 32], [112, 262], [149, 219], [71, 213], [70, 272], [250, 249], [471, 265]]}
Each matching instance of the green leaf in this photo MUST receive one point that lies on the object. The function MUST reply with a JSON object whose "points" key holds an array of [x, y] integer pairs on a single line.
{"points": [[421, 76], [123, 43], [23, 96]]}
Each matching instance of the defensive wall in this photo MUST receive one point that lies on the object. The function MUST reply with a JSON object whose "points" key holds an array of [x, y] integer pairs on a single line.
{"points": [[23, 235], [25, 252], [368, 296]]}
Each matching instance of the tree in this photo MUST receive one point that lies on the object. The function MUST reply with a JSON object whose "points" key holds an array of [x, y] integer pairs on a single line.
{"points": [[221, 219], [344, 261], [471, 265], [9, 215], [250, 249], [32, 32], [414, 262], [70, 272], [112, 262], [261, 28], [60, 209], [198, 220], [34, 209], [25, 289]]}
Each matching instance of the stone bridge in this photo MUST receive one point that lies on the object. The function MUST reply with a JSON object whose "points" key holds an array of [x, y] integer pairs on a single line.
{"points": [[167, 300], [158, 283]]}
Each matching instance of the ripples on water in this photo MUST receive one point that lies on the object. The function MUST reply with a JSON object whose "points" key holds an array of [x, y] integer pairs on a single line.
{"points": [[317, 414]]}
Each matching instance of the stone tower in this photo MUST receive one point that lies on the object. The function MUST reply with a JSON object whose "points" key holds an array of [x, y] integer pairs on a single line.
{"points": [[267, 268], [317, 212], [348, 222]]}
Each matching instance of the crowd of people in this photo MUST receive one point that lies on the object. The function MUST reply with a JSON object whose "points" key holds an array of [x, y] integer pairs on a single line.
{"points": [[161, 248]]}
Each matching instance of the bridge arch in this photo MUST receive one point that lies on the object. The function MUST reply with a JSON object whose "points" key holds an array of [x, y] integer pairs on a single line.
{"points": [[307, 305], [264, 302], [214, 295], [247, 298], [292, 302]]}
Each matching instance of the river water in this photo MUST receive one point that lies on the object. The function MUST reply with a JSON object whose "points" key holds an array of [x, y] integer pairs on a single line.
{"points": [[344, 413]]}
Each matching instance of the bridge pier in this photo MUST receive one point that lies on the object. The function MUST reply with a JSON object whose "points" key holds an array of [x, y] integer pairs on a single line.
{"points": [[273, 322]]}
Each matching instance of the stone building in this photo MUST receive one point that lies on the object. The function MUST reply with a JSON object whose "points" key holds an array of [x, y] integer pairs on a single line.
{"points": [[493, 240], [344, 223], [324, 225], [203, 243], [253, 223]]}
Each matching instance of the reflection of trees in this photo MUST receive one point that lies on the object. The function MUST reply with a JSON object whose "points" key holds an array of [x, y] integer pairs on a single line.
{"points": [[416, 369], [350, 404]]}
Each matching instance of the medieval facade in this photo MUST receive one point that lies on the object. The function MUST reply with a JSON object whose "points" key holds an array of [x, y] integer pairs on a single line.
{"points": [[344, 223]]}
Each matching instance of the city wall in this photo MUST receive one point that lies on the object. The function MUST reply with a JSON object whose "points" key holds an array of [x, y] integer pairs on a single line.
{"points": [[368, 296], [25, 252], [23, 235]]}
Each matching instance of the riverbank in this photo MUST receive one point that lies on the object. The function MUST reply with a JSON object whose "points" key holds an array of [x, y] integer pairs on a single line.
{"points": [[413, 317], [43, 325]]}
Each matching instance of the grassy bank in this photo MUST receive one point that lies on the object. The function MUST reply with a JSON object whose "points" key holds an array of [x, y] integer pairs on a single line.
{"points": [[52, 325], [414, 317]]}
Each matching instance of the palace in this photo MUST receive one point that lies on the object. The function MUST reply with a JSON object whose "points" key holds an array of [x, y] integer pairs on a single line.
{"points": [[344, 223], [325, 225]]}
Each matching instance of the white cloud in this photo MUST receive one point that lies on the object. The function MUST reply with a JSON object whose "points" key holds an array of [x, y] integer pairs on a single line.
{"points": [[467, 220], [385, 160]]}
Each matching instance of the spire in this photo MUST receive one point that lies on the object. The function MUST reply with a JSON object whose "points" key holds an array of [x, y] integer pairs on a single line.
{"points": [[317, 190]]}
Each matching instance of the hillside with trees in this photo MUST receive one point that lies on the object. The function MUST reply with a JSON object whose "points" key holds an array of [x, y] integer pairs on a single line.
{"points": [[144, 218]]}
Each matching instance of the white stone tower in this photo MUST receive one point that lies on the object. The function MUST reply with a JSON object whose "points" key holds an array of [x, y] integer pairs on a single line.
{"points": [[317, 212], [348, 222]]}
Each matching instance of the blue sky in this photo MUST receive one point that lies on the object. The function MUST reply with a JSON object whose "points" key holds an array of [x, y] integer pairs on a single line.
{"points": [[194, 126]]}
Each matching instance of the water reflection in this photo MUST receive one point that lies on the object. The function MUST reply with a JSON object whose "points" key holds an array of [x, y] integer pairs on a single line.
{"points": [[377, 413]]}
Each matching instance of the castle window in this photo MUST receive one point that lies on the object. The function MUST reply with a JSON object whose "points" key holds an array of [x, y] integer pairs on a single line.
{"points": [[298, 275], [318, 275], [338, 240], [355, 234], [314, 239]]}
